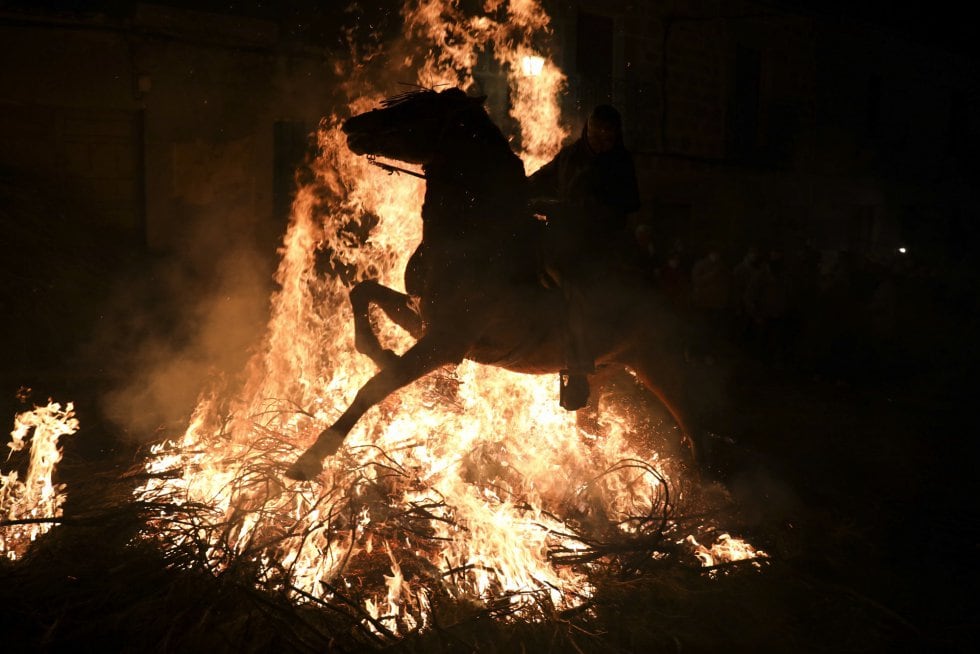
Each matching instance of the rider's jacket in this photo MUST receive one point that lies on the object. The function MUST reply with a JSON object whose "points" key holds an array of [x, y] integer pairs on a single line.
{"points": [[590, 193]]}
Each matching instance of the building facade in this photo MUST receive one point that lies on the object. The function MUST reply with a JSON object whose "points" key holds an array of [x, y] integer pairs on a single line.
{"points": [[764, 123], [752, 122]]}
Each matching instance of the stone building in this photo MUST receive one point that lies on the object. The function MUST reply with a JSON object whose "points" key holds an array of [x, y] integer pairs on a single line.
{"points": [[156, 120], [141, 146], [144, 147], [777, 123], [751, 121]]}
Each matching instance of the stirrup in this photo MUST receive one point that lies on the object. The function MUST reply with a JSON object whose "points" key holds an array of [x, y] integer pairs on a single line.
{"points": [[573, 391]]}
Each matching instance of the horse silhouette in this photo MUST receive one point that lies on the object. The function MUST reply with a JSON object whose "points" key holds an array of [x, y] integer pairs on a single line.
{"points": [[476, 273]]}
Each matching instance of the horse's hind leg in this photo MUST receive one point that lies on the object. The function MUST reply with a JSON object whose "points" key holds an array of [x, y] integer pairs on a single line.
{"points": [[429, 353], [396, 305]]}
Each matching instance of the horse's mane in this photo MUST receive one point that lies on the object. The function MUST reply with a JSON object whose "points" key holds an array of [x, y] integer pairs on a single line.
{"points": [[407, 96], [485, 124]]}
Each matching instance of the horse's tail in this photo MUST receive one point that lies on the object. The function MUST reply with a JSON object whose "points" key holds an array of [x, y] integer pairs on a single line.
{"points": [[661, 371]]}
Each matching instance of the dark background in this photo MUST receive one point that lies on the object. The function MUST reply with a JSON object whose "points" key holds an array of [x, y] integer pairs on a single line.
{"points": [[147, 160]]}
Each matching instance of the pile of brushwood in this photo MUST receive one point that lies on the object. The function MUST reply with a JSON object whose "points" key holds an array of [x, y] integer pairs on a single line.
{"points": [[92, 584]]}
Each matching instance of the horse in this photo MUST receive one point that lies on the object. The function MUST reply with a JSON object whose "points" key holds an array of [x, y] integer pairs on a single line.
{"points": [[477, 273]]}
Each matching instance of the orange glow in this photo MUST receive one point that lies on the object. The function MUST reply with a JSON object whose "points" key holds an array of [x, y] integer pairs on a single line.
{"points": [[470, 482]]}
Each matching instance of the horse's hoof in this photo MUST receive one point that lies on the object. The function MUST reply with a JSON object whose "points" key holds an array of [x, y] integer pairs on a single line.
{"points": [[305, 468], [310, 463]]}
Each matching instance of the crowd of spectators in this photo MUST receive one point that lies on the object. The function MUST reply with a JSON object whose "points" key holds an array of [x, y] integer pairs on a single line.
{"points": [[828, 312]]}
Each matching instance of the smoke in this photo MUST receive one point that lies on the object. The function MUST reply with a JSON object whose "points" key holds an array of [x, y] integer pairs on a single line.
{"points": [[763, 495], [180, 325], [187, 321], [193, 320]]}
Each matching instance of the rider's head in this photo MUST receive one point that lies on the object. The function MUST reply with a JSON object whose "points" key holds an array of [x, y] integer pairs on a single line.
{"points": [[604, 130]]}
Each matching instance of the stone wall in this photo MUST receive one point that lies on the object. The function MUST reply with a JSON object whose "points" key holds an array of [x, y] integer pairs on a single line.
{"points": [[158, 125], [752, 123], [748, 121]]}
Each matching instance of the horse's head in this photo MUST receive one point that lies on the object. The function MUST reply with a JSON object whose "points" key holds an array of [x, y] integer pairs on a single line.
{"points": [[408, 127]]}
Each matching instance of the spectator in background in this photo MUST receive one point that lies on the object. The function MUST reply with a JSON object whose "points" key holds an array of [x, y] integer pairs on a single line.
{"points": [[673, 280], [744, 271], [767, 298], [710, 297], [644, 241], [710, 285]]}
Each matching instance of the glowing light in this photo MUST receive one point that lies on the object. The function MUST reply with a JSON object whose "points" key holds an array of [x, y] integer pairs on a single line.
{"points": [[532, 65], [902, 250]]}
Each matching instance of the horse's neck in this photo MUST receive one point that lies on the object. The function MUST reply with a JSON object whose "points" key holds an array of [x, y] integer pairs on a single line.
{"points": [[476, 189], [474, 203], [476, 177]]}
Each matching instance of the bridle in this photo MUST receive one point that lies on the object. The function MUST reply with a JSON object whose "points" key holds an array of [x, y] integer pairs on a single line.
{"points": [[391, 168]]}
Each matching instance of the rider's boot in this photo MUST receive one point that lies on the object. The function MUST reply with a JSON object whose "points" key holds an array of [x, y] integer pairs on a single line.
{"points": [[574, 389], [573, 393]]}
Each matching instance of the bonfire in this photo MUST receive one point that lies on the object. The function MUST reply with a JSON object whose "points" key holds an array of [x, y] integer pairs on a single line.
{"points": [[469, 487]]}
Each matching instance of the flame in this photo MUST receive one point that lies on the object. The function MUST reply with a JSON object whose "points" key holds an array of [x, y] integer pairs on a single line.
{"points": [[470, 483], [725, 549], [29, 507]]}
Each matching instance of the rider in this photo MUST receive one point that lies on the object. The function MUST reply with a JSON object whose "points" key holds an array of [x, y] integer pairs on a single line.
{"points": [[586, 192]]}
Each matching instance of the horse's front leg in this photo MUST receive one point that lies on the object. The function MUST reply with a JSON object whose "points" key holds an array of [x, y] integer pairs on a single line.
{"points": [[431, 352], [395, 305]]}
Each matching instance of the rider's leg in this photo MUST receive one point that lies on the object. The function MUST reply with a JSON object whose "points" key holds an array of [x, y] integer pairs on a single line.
{"points": [[562, 253], [579, 362], [580, 359]]}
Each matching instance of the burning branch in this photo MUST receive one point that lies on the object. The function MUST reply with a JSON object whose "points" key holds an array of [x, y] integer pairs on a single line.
{"points": [[32, 506]]}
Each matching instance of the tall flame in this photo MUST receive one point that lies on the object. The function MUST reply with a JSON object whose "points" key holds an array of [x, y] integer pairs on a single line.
{"points": [[471, 482]]}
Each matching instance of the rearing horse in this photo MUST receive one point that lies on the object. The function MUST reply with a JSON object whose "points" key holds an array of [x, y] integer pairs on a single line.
{"points": [[476, 272]]}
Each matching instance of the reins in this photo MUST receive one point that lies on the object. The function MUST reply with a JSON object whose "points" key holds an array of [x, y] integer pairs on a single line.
{"points": [[391, 169]]}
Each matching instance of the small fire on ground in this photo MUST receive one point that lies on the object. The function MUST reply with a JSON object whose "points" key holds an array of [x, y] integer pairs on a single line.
{"points": [[29, 507]]}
